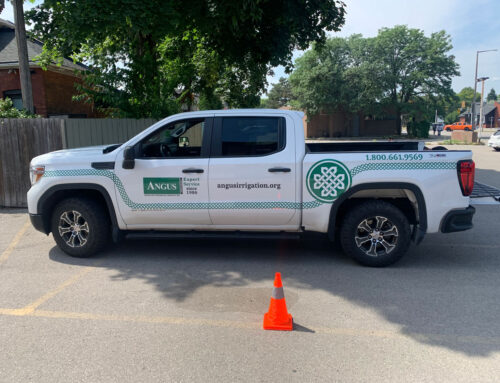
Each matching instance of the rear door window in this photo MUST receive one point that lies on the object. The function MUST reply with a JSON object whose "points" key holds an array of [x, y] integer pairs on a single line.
{"points": [[251, 136]]}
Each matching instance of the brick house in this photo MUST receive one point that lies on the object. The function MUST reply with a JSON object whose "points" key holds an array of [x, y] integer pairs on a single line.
{"points": [[53, 88]]}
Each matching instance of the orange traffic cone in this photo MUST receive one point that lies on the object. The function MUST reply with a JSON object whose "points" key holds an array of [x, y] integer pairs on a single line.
{"points": [[277, 318]]}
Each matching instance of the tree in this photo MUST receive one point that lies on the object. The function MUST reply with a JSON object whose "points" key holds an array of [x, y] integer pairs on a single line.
{"points": [[467, 95], [400, 71], [413, 67], [280, 94], [144, 57], [451, 117], [2, 5], [336, 76], [492, 96], [23, 59]]}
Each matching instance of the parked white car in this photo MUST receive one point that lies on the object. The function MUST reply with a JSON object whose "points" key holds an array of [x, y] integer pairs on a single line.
{"points": [[494, 141], [250, 173]]}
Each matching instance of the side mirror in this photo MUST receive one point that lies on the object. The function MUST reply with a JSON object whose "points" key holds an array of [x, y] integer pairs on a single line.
{"points": [[129, 158]]}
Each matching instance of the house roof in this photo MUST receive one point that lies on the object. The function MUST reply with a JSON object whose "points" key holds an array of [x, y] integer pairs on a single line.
{"points": [[9, 55], [487, 109]]}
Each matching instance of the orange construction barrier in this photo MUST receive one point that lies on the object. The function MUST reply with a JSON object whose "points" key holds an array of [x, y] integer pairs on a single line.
{"points": [[277, 318]]}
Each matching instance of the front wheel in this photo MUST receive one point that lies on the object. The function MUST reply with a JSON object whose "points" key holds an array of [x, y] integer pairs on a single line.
{"points": [[80, 227], [375, 233], [448, 129]]}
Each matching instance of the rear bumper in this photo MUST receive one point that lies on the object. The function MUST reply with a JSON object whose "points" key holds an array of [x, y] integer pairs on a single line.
{"points": [[38, 223], [458, 220]]}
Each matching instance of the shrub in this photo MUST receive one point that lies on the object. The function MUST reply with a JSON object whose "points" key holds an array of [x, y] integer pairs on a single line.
{"points": [[7, 110], [418, 129]]}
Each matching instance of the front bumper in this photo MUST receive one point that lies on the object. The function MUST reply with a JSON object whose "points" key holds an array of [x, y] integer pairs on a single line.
{"points": [[38, 223], [458, 220]]}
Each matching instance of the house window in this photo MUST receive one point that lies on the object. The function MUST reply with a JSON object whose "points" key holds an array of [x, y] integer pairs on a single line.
{"points": [[15, 96]]}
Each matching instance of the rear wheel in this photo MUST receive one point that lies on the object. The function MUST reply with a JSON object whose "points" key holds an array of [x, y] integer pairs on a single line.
{"points": [[375, 233], [448, 129], [80, 227]]}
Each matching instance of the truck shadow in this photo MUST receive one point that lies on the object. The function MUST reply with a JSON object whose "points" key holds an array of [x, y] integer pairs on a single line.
{"points": [[445, 292]]}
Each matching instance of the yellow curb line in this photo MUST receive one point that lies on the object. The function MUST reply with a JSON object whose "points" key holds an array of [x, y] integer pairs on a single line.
{"points": [[14, 242]]}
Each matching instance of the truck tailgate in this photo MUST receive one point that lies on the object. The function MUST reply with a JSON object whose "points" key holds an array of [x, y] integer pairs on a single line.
{"points": [[485, 195]]}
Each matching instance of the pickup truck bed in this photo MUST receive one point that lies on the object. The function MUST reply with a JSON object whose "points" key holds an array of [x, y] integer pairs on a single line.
{"points": [[324, 147]]}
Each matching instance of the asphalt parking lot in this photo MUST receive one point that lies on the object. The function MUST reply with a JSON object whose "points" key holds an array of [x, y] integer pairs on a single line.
{"points": [[191, 311]]}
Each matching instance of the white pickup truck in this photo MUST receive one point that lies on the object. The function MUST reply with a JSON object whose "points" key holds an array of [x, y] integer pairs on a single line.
{"points": [[250, 173]]}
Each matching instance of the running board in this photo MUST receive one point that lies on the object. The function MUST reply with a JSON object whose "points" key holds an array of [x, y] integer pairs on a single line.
{"points": [[156, 234]]}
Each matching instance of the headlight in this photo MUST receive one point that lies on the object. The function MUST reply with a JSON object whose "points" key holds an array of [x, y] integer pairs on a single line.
{"points": [[36, 172]]}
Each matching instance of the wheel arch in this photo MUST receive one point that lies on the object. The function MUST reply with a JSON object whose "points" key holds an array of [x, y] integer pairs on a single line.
{"points": [[346, 200], [53, 195]]}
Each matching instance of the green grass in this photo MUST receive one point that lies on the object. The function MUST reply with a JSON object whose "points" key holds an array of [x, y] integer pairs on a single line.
{"points": [[456, 142]]}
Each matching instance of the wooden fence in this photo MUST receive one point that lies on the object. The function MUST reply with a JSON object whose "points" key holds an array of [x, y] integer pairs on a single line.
{"points": [[23, 139], [20, 141], [80, 132]]}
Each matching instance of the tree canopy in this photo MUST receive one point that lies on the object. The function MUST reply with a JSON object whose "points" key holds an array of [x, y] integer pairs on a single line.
{"points": [[467, 95], [280, 94], [400, 71], [336, 76], [148, 58], [492, 95]]}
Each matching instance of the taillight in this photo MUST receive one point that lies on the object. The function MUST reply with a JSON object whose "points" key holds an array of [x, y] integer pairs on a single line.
{"points": [[466, 170]]}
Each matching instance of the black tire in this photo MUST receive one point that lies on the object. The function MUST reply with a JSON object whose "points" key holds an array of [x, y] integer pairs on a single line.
{"points": [[448, 129], [497, 149], [385, 249], [92, 232]]}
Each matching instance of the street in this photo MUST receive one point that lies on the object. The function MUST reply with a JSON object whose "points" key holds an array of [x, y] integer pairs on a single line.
{"points": [[191, 311]]}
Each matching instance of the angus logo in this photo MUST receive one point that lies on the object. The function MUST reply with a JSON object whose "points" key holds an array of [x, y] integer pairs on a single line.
{"points": [[161, 186]]}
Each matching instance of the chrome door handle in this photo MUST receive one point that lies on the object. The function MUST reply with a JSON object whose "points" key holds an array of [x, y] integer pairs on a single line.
{"points": [[192, 170]]}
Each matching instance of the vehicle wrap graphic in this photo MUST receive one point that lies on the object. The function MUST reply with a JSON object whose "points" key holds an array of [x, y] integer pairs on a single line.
{"points": [[162, 186], [178, 205], [427, 165], [430, 165], [327, 180]]}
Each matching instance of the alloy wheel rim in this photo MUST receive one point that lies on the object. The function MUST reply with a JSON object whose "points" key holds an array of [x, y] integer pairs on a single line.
{"points": [[73, 228], [376, 236]]}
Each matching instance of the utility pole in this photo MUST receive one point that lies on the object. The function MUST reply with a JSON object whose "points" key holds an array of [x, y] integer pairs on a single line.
{"points": [[482, 79], [22, 51], [473, 106]]}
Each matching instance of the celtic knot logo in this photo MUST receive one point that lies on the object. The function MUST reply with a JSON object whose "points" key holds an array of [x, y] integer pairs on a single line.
{"points": [[327, 180]]}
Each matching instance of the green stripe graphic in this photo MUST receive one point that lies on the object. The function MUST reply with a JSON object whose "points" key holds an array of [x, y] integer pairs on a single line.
{"points": [[428, 165], [178, 205], [240, 205]]}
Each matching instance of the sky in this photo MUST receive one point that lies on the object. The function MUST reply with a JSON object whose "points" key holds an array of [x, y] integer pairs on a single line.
{"points": [[472, 25]]}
